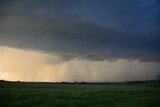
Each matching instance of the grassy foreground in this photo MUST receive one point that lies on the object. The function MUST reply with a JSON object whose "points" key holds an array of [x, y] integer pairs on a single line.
{"points": [[22, 94]]}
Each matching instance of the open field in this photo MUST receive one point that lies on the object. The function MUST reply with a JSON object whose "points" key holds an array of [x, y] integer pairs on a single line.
{"points": [[23, 94]]}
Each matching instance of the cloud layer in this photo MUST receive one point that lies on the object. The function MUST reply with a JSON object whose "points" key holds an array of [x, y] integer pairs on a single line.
{"points": [[18, 64], [79, 40], [95, 30]]}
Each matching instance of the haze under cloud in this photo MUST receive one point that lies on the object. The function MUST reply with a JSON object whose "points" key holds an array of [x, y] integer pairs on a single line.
{"points": [[17, 64], [92, 40]]}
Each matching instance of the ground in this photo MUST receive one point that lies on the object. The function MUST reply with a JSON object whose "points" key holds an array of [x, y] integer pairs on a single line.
{"points": [[23, 94]]}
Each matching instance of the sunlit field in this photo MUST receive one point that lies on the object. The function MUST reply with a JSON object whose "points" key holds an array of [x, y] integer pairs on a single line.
{"points": [[128, 94]]}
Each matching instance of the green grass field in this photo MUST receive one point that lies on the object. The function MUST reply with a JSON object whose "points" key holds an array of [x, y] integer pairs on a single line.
{"points": [[21, 94]]}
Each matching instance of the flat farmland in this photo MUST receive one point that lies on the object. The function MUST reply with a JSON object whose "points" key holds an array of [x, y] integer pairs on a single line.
{"points": [[34, 94]]}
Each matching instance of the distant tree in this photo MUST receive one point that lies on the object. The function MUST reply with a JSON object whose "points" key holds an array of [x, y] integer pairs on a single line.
{"points": [[2, 80], [83, 82], [75, 82], [158, 77]]}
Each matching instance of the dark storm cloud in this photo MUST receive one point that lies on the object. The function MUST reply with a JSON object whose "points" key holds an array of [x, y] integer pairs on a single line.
{"points": [[95, 30]]}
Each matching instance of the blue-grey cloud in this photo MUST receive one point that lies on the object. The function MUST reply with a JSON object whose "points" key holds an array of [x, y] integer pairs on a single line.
{"points": [[92, 29]]}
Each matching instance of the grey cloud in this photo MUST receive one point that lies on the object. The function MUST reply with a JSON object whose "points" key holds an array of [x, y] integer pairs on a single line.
{"points": [[64, 27]]}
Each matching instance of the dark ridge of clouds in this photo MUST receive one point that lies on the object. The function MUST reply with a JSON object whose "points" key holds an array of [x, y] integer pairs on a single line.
{"points": [[94, 30], [126, 15]]}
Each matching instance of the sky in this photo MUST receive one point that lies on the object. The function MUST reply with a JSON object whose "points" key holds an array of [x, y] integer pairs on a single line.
{"points": [[79, 40]]}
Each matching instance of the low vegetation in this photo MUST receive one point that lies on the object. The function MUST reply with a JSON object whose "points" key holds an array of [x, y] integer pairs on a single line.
{"points": [[125, 94]]}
